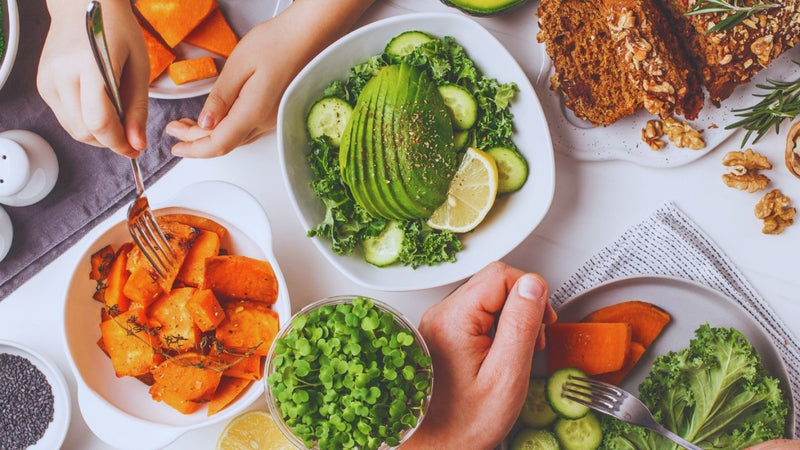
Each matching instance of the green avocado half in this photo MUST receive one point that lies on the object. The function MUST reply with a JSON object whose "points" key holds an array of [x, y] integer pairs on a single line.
{"points": [[397, 154], [482, 7]]}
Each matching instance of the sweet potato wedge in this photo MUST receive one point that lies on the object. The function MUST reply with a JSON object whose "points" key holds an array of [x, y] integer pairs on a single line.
{"points": [[176, 329], [173, 20], [241, 278], [635, 352], [246, 367], [142, 286], [101, 261], [194, 266], [646, 320], [199, 222], [130, 343], [227, 391], [188, 376], [180, 237], [188, 70], [117, 279], [159, 54], [214, 34], [205, 310], [594, 347], [248, 326]]}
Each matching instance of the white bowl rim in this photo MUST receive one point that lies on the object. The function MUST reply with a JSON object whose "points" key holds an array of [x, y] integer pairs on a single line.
{"points": [[12, 40]]}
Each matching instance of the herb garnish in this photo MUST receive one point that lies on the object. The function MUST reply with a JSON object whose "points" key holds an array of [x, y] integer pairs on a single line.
{"points": [[780, 102], [739, 11]]}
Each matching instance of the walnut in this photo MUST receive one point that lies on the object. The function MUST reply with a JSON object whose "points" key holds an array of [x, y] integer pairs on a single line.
{"points": [[682, 134], [774, 210], [639, 48], [762, 48], [793, 150], [651, 134], [621, 20], [726, 59], [743, 170]]}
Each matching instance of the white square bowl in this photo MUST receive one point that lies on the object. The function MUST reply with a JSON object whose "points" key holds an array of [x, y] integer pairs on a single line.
{"points": [[512, 218]]}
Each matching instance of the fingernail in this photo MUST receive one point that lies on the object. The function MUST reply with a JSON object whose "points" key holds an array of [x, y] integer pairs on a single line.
{"points": [[205, 121], [530, 287]]}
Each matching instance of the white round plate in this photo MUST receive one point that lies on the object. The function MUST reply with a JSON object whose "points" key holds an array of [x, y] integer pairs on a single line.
{"points": [[512, 217], [120, 411], [690, 305], [242, 15], [9, 23], [62, 408]]}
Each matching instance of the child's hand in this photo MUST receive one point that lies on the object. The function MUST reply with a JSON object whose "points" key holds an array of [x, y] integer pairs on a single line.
{"points": [[70, 82]]}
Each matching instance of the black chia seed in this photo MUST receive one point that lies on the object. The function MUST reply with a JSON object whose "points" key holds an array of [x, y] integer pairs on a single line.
{"points": [[26, 403]]}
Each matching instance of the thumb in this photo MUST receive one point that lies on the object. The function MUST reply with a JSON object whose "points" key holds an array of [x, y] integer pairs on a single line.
{"points": [[221, 98], [518, 328]]}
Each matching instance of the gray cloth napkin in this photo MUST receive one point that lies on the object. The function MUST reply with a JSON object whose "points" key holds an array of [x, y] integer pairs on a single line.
{"points": [[669, 243], [92, 182]]}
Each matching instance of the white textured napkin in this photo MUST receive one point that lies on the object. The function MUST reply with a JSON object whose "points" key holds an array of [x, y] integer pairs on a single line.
{"points": [[669, 243]]}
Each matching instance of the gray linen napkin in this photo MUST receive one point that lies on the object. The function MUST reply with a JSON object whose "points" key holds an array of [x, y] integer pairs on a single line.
{"points": [[669, 243], [92, 182]]}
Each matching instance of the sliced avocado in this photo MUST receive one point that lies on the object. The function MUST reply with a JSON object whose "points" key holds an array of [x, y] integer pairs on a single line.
{"points": [[359, 159], [370, 166], [482, 7]]}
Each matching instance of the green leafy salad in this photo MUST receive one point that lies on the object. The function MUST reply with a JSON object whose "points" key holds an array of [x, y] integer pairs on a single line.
{"points": [[2, 35], [382, 205], [349, 375]]}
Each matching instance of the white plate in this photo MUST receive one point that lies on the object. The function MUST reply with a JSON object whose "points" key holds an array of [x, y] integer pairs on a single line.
{"points": [[57, 430], [10, 33], [511, 219], [242, 16], [690, 305], [120, 410]]}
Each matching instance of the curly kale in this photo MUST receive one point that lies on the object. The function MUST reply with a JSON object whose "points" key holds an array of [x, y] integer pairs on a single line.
{"points": [[715, 393]]}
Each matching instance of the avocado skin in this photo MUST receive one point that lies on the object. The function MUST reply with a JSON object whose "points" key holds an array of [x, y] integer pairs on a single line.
{"points": [[397, 154]]}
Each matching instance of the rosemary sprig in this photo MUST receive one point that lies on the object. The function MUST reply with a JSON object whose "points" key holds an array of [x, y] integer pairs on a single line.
{"points": [[739, 10], [780, 101]]}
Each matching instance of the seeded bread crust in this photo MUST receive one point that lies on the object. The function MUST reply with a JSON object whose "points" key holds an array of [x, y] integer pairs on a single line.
{"points": [[589, 69]]}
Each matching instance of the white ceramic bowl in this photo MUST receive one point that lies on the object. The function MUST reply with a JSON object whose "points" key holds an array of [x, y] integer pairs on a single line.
{"points": [[120, 410], [9, 23], [512, 218]]}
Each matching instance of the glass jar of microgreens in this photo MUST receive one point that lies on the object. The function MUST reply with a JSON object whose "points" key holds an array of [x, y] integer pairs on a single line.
{"points": [[348, 372]]}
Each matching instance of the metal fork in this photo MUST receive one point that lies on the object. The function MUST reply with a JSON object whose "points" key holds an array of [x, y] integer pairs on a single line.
{"points": [[619, 403], [141, 223]]}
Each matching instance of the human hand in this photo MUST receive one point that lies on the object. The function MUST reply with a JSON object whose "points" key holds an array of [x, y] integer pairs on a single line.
{"points": [[777, 444], [71, 84], [481, 381]]}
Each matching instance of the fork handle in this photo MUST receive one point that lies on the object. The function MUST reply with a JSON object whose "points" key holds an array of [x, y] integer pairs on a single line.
{"points": [[675, 438]]}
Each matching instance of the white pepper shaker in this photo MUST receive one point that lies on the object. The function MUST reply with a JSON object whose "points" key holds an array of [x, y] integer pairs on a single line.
{"points": [[28, 168]]}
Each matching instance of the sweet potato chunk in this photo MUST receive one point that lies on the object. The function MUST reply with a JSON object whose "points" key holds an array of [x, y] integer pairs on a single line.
{"points": [[101, 261], [188, 376], [117, 279], [635, 352], [199, 222], [175, 19], [189, 70], [194, 266], [227, 391], [241, 278], [646, 320], [593, 347], [142, 287], [248, 326], [180, 238], [214, 35], [159, 54], [205, 310], [130, 343], [246, 367], [177, 330]]}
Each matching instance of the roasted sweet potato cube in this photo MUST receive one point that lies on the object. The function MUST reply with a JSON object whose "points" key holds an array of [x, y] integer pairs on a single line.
{"points": [[248, 326], [175, 19], [214, 34], [177, 330], [116, 280], [131, 343], [180, 238], [101, 261], [247, 367], [194, 266], [199, 222], [205, 310], [241, 278], [189, 70], [188, 376], [160, 55], [227, 391], [161, 394], [143, 287], [102, 346]]}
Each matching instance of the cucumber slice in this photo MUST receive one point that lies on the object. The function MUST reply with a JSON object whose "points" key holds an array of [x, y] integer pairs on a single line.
{"points": [[512, 170], [462, 105], [460, 139], [328, 117], [530, 439], [405, 43], [384, 249], [579, 434], [562, 406], [536, 412]]}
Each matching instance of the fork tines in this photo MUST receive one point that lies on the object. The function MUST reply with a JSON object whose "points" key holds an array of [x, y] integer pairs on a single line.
{"points": [[592, 393], [150, 239]]}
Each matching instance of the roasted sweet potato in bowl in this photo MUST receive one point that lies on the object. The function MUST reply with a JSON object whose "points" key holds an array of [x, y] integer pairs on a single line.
{"points": [[134, 340]]}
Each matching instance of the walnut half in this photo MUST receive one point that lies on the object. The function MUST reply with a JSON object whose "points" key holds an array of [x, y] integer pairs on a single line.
{"points": [[774, 210], [743, 170], [652, 132], [682, 134], [793, 149]]}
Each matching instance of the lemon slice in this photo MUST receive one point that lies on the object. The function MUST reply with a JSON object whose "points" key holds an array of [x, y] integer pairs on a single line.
{"points": [[471, 195], [253, 430]]}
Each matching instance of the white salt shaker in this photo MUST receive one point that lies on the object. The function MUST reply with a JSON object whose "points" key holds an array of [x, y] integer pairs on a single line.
{"points": [[28, 168]]}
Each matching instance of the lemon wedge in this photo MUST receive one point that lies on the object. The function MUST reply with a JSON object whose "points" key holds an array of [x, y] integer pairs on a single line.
{"points": [[471, 195], [253, 430]]}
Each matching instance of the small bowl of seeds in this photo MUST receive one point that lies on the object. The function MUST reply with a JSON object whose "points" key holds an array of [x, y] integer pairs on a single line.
{"points": [[34, 400]]}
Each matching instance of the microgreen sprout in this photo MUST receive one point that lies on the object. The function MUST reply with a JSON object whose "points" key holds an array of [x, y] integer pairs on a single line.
{"points": [[349, 375]]}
